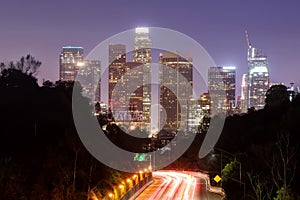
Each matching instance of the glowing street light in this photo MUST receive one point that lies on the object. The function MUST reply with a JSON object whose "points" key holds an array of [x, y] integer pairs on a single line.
{"points": [[111, 196]]}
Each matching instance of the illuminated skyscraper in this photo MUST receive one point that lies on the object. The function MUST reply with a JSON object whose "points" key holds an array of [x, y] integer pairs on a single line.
{"points": [[116, 53], [116, 69], [89, 77], [172, 101], [142, 54], [221, 86], [123, 73], [258, 77], [142, 45], [244, 93], [205, 104], [68, 62]]}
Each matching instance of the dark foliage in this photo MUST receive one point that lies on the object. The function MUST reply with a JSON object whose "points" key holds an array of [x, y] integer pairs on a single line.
{"points": [[39, 145]]}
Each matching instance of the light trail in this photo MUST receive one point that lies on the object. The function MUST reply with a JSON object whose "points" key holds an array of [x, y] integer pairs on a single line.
{"points": [[174, 185]]}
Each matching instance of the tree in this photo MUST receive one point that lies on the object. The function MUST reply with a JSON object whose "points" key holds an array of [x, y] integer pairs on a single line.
{"points": [[260, 186], [48, 84], [276, 95], [284, 164], [21, 73]]}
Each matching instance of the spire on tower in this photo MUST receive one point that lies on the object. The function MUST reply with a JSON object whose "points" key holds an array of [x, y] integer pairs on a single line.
{"points": [[247, 38]]}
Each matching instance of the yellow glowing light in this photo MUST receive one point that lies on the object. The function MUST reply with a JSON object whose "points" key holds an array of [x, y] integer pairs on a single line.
{"points": [[128, 180], [110, 194]]}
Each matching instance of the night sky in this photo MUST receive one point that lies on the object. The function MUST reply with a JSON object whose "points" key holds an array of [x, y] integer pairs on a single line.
{"points": [[41, 28]]}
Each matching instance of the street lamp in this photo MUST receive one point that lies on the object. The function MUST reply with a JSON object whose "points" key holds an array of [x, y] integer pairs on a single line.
{"points": [[233, 156], [240, 166], [111, 195]]}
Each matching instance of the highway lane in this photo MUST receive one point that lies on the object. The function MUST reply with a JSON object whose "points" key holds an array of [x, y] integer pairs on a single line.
{"points": [[178, 185]]}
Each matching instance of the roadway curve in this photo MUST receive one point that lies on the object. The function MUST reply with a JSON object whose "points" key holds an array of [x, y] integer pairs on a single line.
{"points": [[178, 185]]}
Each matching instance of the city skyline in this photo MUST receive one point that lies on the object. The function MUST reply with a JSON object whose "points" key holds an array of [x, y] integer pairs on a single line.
{"points": [[155, 100], [221, 34]]}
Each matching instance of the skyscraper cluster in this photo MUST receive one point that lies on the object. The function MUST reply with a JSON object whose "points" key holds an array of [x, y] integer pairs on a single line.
{"points": [[175, 95], [72, 65]]}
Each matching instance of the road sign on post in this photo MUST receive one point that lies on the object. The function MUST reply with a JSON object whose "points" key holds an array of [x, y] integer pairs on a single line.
{"points": [[141, 157], [217, 178]]}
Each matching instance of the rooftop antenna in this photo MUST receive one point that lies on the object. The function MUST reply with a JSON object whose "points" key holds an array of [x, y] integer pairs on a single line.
{"points": [[247, 38]]}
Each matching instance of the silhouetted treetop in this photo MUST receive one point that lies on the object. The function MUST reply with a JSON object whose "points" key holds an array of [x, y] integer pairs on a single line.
{"points": [[276, 95], [20, 73]]}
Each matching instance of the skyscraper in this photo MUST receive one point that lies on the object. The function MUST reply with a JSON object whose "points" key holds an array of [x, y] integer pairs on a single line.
{"points": [[205, 104], [116, 69], [122, 72], [142, 54], [142, 45], [180, 97], [89, 77], [244, 93], [258, 77], [69, 60], [116, 53], [221, 86]]}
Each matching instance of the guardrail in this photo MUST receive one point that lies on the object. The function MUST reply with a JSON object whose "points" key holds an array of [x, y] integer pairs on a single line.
{"points": [[138, 188]]}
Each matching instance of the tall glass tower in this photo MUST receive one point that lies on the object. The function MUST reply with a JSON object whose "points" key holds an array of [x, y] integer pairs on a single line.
{"points": [[142, 54], [142, 45], [173, 101], [221, 86], [69, 61], [258, 78], [244, 93]]}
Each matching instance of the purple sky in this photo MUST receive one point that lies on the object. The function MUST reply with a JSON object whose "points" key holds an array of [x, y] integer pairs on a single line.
{"points": [[41, 28]]}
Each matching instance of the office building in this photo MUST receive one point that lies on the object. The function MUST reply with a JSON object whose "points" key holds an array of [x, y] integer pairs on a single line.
{"points": [[258, 77], [142, 45], [221, 86], [142, 54], [69, 61], [173, 101], [244, 93], [88, 75], [116, 53], [116, 69], [205, 104], [194, 115]]}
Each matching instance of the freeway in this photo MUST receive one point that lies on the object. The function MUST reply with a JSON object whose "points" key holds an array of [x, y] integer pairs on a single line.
{"points": [[178, 185]]}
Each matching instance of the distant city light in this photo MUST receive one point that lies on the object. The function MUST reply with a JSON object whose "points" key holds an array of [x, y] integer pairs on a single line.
{"points": [[72, 47], [80, 64], [142, 30], [229, 67]]}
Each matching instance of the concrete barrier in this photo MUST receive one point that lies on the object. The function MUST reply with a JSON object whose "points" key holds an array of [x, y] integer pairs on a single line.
{"points": [[137, 189]]}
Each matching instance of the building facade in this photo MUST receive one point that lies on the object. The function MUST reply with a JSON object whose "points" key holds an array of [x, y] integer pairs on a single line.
{"points": [[69, 61], [258, 78], [142, 45], [116, 68], [116, 53], [244, 93], [221, 86], [173, 101], [142, 54], [88, 75]]}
